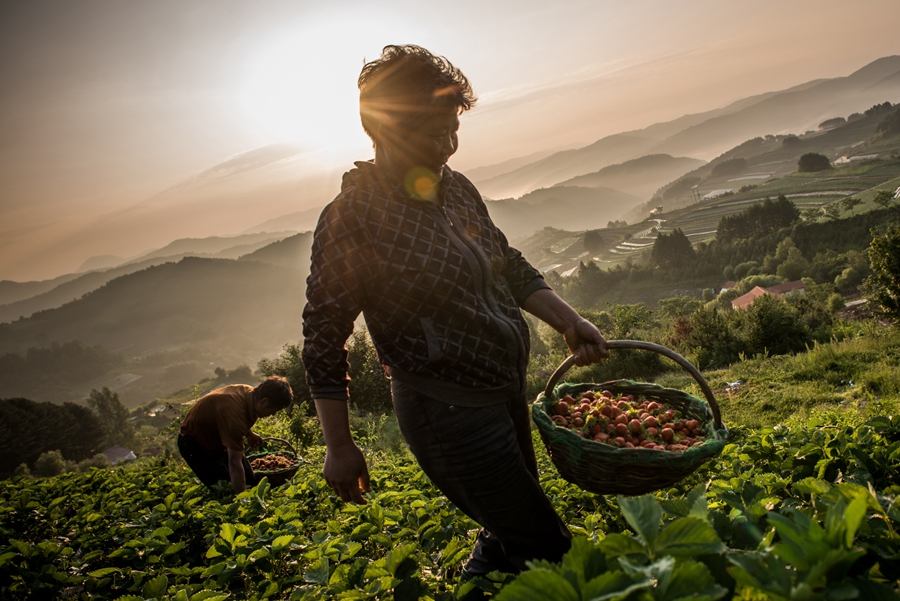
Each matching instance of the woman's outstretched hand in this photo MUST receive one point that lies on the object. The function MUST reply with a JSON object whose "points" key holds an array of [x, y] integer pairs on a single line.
{"points": [[586, 342]]}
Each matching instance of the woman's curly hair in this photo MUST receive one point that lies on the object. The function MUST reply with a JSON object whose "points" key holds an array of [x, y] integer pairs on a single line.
{"points": [[408, 83]]}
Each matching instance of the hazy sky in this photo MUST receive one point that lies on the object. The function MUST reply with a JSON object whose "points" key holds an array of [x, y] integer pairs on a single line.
{"points": [[106, 103]]}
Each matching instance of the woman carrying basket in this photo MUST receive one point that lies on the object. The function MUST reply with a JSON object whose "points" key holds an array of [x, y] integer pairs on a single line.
{"points": [[409, 244]]}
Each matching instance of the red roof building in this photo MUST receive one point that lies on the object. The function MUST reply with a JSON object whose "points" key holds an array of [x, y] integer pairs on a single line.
{"points": [[742, 302]]}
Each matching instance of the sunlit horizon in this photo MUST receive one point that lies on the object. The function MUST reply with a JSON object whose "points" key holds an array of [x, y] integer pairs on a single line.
{"points": [[111, 114]]}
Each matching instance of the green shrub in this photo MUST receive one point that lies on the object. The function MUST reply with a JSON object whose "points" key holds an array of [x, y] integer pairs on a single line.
{"points": [[50, 463]]}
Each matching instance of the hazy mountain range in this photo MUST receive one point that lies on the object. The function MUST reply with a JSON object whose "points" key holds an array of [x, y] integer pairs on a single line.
{"points": [[248, 290], [706, 135]]}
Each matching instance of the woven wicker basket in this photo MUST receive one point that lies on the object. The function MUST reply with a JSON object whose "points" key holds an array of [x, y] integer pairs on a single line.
{"points": [[275, 446], [605, 469]]}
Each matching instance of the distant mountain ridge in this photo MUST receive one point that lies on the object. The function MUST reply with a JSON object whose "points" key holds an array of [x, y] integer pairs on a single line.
{"points": [[708, 134], [571, 207], [640, 177], [242, 303], [292, 252], [75, 285]]}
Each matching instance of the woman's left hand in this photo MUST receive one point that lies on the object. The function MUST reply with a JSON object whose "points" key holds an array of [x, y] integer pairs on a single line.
{"points": [[586, 342]]}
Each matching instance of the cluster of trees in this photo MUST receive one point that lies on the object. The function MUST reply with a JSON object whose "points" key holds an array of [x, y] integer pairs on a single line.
{"points": [[834, 122], [812, 162], [729, 167], [672, 250], [890, 125], [879, 109], [758, 220], [65, 364], [883, 285], [370, 389], [30, 430]]}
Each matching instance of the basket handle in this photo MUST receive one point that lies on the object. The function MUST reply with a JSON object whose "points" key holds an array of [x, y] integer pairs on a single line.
{"points": [[646, 346], [281, 440]]}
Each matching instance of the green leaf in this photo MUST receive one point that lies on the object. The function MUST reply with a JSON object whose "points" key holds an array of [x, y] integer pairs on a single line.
{"points": [[270, 590], [282, 542], [692, 580], [853, 517], [644, 516], [174, 548], [538, 585], [615, 545], [811, 486], [687, 537], [585, 559], [208, 596], [162, 532], [614, 585], [103, 572], [155, 587], [228, 532], [318, 571]]}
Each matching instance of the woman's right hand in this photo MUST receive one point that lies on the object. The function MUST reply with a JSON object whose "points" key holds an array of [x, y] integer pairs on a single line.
{"points": [[345, 467], [346, 472]]}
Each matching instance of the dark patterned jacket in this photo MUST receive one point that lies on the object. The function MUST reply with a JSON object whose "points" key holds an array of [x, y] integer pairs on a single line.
{"points": [[439, 287]]}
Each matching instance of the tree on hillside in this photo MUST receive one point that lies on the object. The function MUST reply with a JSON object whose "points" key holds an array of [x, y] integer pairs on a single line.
{"points": [[890, 125], [711, 339], [113, 415], [883, 286], [593, 241], [28, 429], [879, 109], [828, 123], [758, 219], [832, 211], [812, 162], [791, 141], [672, 250], [774, 328], [883, 199], [848, 204]]}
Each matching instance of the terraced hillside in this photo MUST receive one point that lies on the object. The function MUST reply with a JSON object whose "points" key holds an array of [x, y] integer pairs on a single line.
{"points": [[864, 163]]}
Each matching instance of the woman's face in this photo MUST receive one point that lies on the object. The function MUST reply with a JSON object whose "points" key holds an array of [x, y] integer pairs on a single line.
{"points": [[429, 144]]}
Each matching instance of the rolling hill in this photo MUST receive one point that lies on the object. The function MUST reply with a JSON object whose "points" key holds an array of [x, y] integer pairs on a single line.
{"points": [[565, 207], [706, 135], [795, 111], [564, 165], [639, 177], [247, 305], [292, 252], [75, 285]]}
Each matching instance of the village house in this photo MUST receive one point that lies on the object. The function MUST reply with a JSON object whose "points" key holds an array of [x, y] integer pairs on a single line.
{"points": [[742, 302]]}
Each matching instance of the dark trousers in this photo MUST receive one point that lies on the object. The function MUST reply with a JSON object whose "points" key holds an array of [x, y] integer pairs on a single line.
{"points": [[483, 460], [210, 466]]}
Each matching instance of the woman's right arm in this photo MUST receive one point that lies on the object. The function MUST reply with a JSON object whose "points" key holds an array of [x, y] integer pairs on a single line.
{"points": [[345, 466], [338, 277]]}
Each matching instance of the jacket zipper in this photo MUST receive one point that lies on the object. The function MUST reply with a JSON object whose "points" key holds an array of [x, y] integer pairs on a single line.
{"points": [[511, 331]]}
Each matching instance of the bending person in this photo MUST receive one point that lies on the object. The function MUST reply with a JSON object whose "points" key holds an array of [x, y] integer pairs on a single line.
{"points": [[211, 439]]}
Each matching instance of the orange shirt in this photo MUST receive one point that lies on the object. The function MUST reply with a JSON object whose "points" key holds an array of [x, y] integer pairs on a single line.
{"points": [[222, 418]]}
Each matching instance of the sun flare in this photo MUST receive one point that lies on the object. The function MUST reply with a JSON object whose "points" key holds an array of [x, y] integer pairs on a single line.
{"points": [[301, 87]]}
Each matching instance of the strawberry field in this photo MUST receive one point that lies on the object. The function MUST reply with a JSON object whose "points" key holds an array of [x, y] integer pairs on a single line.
{"points": [[806, 512]]}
